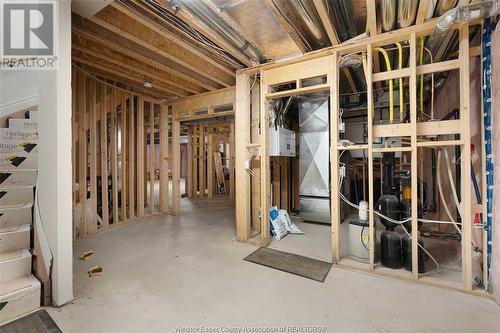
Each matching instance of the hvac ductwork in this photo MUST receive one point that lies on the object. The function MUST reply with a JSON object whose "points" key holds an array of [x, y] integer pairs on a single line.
{"points": [[461, 14], [388, 12], [204, 14], [407, 12]]}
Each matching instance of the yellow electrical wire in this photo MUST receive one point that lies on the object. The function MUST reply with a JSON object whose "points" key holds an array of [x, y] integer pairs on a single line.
{"points": [[401, 101], [391, 85]]}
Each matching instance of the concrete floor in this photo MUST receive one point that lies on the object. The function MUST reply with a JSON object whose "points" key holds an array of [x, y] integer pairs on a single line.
{"points": [[188, 271]]}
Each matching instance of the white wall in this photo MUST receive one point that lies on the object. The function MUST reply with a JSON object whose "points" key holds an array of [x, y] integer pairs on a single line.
{"points": [[54, 165], [18, 90]]}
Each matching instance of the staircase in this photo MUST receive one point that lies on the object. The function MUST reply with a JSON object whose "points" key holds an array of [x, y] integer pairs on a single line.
{"points": [[20, 291]]}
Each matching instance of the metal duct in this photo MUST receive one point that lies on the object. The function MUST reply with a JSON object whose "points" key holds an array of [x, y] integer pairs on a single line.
{"points": [[206, 15], [407, 12], [462, 14], [342, 12], [388, 13], [305, 10]]}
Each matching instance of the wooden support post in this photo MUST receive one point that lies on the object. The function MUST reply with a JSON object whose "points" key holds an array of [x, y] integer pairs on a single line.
{"points": [[414, 157], [202, 160], [332, 79], [140, 157], [82, 152], [371, 203], [92, 228], [196, 159], [124, 157], [465, 160], [176, 168], [164, 159], [231, 151], [210, 165], [265, 176], [104, 155], [255, 179], [276, 182], [284, 184], [114, 156], [190, 163], [152, 159], [242, 138], [132, 160]]}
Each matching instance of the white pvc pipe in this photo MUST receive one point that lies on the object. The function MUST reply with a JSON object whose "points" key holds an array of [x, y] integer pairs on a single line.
{"points": [[441, 195]]}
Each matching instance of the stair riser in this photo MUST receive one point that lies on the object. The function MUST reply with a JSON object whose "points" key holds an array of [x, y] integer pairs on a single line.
{"points": [[15, 216], [23, 123], [17, 196], [15, 268], [20, 303], [19, 147], [17, 240], [18, 161], [18, 134], [19, 177]]}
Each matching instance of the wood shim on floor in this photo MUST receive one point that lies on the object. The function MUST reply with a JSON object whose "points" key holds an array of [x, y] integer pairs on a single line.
{"points": [[291, 263]]}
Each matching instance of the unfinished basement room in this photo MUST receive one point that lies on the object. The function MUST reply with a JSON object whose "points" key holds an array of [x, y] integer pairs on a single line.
{"points": [[249, 166]]}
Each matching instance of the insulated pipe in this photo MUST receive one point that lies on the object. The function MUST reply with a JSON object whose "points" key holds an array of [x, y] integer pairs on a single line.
{"points": [[391, 85], [461, 14], [388, 10], [407, 12], [401, 99]]}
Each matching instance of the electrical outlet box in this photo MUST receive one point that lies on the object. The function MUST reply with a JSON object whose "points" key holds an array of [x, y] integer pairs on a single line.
{"points": [[281, 142]]}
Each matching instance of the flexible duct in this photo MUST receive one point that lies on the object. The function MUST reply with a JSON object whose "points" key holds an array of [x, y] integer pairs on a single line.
{"points": [[388, 11], [407, 12], [305, 11], [445, 5], [341, 11], [462, 14]]}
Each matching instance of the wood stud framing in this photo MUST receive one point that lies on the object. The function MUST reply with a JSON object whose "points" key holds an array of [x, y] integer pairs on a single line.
{"points": [[99, 153], [324, 63]]}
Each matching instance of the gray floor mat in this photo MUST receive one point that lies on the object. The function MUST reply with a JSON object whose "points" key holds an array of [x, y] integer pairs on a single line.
{"points": [[37, 322]]}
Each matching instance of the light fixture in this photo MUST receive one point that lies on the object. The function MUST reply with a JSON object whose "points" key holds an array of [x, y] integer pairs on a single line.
{"points": [[148, 84]]}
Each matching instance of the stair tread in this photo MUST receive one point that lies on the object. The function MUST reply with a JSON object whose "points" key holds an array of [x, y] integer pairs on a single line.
{"points": [[16, 285], [28, 205], [14, 229], [14, 186], [16, 254]]}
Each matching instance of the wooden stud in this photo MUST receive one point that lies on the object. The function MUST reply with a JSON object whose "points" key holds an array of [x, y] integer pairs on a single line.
{"points": [[255, 179], [210, 166], [371, 203], [190, 163], [231, 152], [140, 157], [465, 160], [284, 183], [196, 160], [164, 159], [202, 161], [114, 156], [92, 227], [176, 172], [265, 176], [82, 151], [123, 159], [132, 160], [104, 155], [242, 138], [152, 159], [332, 79]]}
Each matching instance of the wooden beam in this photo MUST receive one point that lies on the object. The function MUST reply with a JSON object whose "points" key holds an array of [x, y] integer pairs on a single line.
{"points": [[242, 138], [133, 29], [147, 72], [123, 73], [286, 26], [422, 11], [185, 81], [211, 34]]}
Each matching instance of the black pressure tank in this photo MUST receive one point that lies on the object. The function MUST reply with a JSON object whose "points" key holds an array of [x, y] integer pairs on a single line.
{"points": [[389, 206], [407, 259], [390, 247]]}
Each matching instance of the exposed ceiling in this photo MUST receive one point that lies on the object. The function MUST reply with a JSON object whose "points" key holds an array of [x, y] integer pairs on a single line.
{"points": [[186, 47]]}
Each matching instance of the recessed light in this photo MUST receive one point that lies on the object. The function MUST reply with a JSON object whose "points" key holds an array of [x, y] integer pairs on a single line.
{"points": [[148, 84]]}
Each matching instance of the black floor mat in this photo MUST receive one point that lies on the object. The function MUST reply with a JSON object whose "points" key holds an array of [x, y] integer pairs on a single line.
{"points": [[37, 322], [291, 263]]}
